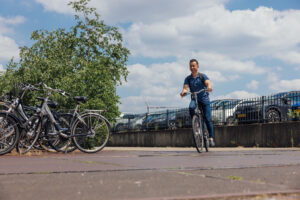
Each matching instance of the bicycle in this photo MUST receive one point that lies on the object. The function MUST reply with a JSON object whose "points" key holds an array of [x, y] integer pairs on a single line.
{"points": [[200, 133], [89, 131]]}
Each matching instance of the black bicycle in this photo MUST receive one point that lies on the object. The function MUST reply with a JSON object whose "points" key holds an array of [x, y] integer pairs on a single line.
{"points": [[200, 132]]}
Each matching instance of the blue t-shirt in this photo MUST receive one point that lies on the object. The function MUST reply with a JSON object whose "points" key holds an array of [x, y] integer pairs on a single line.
{"points": [[195, 85]]}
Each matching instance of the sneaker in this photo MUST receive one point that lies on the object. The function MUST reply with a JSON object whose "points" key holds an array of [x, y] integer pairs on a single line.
{"points": [[212, 142]]}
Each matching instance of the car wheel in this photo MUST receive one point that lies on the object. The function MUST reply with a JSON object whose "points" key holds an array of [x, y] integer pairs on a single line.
{"points": [[119, 128], [138, 127], [273, 116], [172, 125], [230, 120]]}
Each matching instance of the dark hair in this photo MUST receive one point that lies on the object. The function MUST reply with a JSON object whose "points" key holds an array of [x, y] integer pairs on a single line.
{"points": [[194, 60]]}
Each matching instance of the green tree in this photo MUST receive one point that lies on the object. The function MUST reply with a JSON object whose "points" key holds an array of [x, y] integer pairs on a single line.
{"points": [[88, 59]]}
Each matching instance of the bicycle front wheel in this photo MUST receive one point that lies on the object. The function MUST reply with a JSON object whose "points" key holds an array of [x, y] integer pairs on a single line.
{"points": [[90, 132], [198, 133], [9, 134], [29, 134]]}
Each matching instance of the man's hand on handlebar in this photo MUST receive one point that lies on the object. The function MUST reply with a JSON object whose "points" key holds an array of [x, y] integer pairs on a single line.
{"points": [[183, 94]]}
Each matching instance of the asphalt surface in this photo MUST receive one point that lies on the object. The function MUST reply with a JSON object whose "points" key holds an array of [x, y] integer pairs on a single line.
{"points": [[153, 173]]}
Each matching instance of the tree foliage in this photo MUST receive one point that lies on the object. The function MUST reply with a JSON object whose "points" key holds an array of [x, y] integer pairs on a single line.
{"points": [[88, 60]]}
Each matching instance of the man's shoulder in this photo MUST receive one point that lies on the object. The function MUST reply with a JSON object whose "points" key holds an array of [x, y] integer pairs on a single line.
{"points": [[188, 77], [203, 76]]}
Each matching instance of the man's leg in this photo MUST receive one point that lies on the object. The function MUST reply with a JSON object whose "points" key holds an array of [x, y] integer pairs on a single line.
{"points": [[207, 120]]}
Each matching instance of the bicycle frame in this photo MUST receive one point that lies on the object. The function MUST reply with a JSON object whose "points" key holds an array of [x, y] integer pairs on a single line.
{"points": [[194, 95]]}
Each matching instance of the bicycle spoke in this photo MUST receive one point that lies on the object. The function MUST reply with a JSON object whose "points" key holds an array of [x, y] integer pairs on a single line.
{"points": [[4, 143]]}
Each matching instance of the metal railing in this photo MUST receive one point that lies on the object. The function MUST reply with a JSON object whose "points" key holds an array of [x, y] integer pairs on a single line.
{"points": [[278, 107]]}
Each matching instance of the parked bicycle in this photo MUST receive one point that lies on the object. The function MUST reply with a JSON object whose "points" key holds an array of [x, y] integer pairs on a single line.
{"points": [[200, 132], [89, 131]]}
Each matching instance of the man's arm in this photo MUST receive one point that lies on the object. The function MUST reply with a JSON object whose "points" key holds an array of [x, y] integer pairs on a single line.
{"points": [[208, 85], [185, 89]]}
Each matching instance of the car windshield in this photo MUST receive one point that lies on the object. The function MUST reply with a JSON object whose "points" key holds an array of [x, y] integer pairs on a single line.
{"points": [[246, 103], [214, 102], [293, 96], [226, 104], [231, 104]]}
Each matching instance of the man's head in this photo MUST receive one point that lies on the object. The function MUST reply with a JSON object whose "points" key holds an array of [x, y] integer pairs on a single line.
{"points": [[194, 66]]}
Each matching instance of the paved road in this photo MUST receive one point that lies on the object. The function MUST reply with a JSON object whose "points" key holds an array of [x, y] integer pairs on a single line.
{"points": [[153, 173]]}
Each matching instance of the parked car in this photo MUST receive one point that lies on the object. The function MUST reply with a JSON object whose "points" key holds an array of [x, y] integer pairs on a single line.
{"points": [[160, 120], [272, 108], [129, 122], [223, 111], [183, 118]]}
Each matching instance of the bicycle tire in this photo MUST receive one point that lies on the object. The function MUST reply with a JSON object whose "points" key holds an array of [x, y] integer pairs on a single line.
{"points": [[29, 134], [206, 141], [9, 133], [90, 123], [198, 133], [205, 137]]}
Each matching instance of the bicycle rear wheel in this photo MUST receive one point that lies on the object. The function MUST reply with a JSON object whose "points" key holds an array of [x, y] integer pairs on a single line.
{"points": [[198, 133], [90, 132], [9, 133]]}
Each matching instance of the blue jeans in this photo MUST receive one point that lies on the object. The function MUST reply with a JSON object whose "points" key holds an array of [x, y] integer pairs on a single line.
{"points": [[206, 114]]}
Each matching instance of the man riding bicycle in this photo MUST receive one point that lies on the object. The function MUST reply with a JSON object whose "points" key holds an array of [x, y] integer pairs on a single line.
{"points": [[197, 81]]}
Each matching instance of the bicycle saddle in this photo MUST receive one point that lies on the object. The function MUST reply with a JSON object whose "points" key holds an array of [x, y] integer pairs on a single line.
{"points": [[80, 99]]}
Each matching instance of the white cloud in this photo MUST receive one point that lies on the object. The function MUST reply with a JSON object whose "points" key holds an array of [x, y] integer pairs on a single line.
{"points": [[278, 85], [233, 77], [240, 35], [115, 11], [292, 57], [215, 76], [287, 85], [8, 46], [253, 85], [60, 6], [209, 60], [12, 20], [240, 94]]}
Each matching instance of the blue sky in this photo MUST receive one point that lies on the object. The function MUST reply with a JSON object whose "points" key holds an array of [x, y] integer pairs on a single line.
{"points": [[247, 48]]}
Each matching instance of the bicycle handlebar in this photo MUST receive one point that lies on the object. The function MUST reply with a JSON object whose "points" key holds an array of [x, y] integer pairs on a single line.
{"points": [[29, 87], [194, 93], [61, 92]]}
